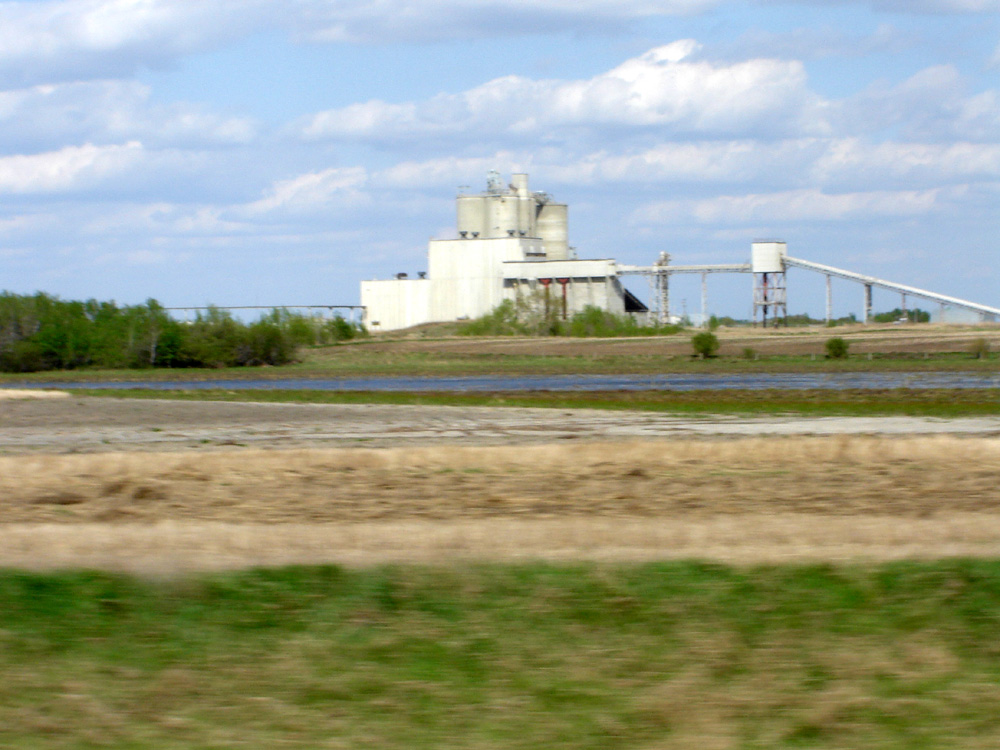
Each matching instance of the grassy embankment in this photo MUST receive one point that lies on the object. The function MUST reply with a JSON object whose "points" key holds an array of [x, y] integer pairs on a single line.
{"points": [[671, 655], [361, 363]]}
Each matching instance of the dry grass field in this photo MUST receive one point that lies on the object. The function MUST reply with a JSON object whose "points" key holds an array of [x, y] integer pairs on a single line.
{"points": [[838, 476], [750, 500], [21, 394]]}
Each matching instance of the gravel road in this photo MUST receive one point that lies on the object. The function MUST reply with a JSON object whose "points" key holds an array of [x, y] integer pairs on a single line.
{"points": [[106, 424]]}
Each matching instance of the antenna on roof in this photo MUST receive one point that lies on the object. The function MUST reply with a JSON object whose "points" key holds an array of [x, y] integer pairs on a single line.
{"points": [[494, 182]]}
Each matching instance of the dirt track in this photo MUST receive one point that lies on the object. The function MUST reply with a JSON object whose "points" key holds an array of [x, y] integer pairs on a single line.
{"points": [[159, 486], [99, 425]]}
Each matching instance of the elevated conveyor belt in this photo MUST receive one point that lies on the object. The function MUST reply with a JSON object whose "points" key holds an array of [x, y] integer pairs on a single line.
{"points": [[883, 284], [664, 270]]}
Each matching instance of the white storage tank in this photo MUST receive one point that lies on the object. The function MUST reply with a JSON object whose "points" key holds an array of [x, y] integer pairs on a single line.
{"points": [[525, 205], [768, 256], [502, 215], [471, 215], [553, 228]]}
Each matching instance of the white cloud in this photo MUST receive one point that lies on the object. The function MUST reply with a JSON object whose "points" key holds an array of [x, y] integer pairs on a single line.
{"points": [[162, 219], [856, 160], [664, 88], [446, 172], [109, 111], [331, 190], [70, 168], [737, 161], [381, 20], [788, 207], [60, 40], [937, 6], [80, 39], [852, 163], [931, 104], [978, 116], [932, 7]]}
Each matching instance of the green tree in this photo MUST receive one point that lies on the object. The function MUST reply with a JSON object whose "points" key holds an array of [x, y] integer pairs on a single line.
{"points": [[836, 348], [705, 344]]}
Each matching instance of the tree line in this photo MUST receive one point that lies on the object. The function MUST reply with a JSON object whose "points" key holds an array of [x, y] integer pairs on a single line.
{"points": [[42, 332]]}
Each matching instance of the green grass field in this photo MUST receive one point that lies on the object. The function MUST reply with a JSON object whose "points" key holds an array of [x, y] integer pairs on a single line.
{"points": [[888, 402], [358, 360], [671, 655]]}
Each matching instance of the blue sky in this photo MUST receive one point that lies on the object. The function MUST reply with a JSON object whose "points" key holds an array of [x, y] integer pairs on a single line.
{"points": [[248, 152]]}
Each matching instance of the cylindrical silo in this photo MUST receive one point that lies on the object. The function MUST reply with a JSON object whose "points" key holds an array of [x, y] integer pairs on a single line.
{"points": [[553, 228], [471, 214], [502, 215], [525, 205]]}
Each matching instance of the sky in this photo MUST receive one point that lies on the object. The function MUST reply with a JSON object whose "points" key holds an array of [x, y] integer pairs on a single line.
{"points": [[277, 152]]}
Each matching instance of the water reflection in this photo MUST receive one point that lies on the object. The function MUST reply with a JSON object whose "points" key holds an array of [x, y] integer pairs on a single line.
{"points": [[489, 383]]}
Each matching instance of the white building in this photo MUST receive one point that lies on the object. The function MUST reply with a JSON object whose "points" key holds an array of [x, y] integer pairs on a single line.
{"points": [[510, 242]]}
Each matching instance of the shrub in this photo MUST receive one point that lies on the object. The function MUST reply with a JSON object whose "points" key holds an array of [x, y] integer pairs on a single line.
{"points": [[528, 317], [339, 329], [836, 348], [892, 316], [749, 353], [502, 321], [705, 344], [979, 348]]}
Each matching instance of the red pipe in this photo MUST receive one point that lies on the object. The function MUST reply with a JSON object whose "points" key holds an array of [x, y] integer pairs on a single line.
{"points": [[563, 283]]}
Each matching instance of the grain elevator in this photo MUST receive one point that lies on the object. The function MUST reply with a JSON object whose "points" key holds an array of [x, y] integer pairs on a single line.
{"points": [[511, 242]]}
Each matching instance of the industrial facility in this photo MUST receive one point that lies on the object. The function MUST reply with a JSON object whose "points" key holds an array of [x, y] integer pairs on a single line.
{"points": [[513, 244]]}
